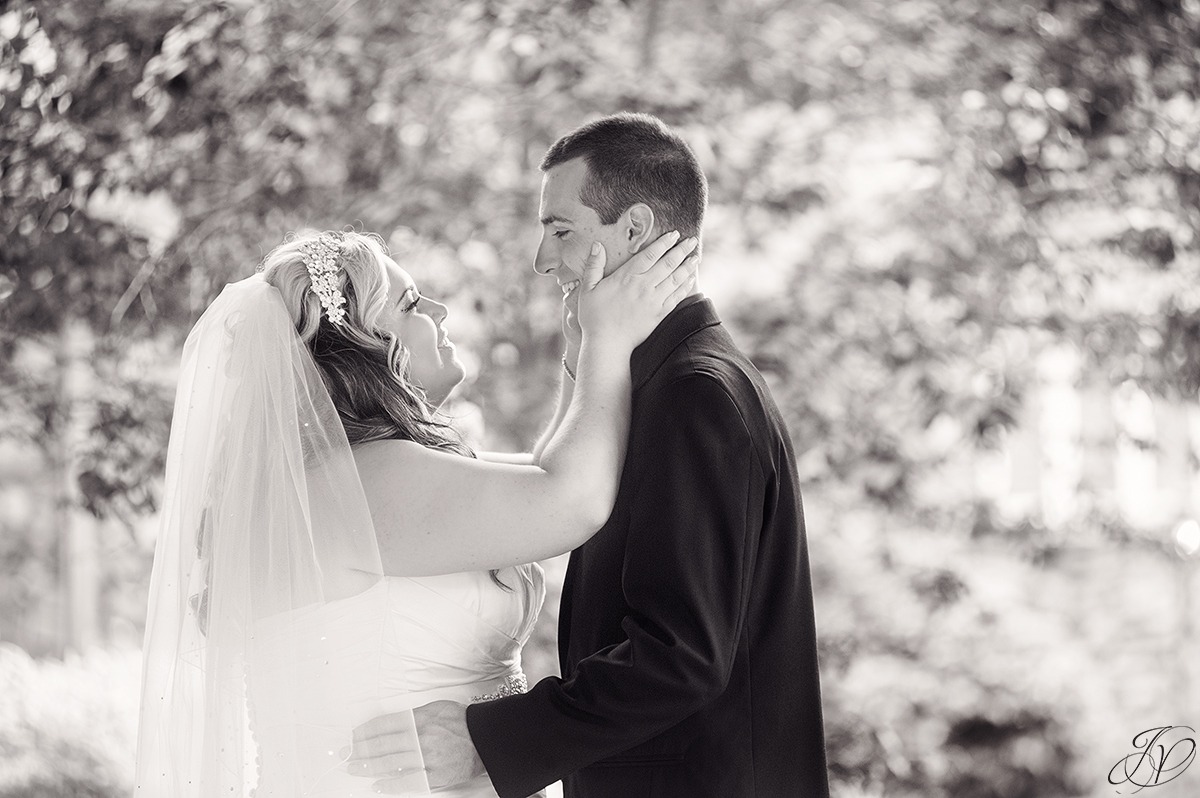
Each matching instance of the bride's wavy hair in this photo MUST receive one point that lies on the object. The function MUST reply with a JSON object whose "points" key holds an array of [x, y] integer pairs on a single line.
{"points": [[364, 367]]}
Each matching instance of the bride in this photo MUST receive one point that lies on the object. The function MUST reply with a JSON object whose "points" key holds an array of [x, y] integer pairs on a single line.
{"points": [[330, 551]]}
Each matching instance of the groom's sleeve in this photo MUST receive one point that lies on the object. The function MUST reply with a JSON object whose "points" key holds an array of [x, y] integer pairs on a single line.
{"points": [[696, 512]]}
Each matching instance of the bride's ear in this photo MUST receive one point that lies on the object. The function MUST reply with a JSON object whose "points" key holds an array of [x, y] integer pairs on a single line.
{"points": [[638, 228]]}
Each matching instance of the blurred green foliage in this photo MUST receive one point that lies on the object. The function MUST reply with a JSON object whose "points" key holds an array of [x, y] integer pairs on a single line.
{"points": [[66, 729], [910, 201]]}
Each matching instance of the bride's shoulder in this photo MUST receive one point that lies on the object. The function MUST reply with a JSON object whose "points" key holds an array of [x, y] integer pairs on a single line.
{"points": [[382, 452], [391, 458], [399, 462], [386, 448]]}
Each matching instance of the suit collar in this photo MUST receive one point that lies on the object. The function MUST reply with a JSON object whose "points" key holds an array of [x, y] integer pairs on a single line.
{"points": [[693, 314]]}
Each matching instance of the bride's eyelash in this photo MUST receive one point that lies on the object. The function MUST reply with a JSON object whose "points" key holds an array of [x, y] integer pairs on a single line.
{"points": [[409, 308]]}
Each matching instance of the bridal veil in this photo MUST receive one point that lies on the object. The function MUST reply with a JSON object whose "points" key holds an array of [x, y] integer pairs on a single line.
{"points": [[263, 516]]}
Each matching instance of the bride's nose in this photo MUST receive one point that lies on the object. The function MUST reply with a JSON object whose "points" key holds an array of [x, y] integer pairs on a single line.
{"points": [[436, 310]]}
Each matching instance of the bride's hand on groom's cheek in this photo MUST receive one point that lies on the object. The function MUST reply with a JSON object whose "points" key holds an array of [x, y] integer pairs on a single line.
{"points": [[628, 303], [391, 748]]}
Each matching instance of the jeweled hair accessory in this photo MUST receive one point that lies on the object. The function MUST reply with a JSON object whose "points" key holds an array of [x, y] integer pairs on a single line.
{"points": [[321, 257]]}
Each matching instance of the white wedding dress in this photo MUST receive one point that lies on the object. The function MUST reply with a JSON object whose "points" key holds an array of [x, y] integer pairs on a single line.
{"points": [[400, 644]]}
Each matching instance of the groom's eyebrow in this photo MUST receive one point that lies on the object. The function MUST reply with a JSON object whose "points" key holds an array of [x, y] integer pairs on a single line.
{"points": [[552, 219]]}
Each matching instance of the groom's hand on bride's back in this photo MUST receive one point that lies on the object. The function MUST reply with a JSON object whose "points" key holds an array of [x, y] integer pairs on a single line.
{"points": [[387, 747]]}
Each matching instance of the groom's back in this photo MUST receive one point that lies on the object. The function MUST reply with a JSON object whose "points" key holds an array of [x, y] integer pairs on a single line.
{"points": [[704, 564]]}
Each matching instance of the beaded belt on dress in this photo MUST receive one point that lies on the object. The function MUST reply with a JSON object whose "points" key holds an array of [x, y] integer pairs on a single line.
{"points": [[514, 684]]}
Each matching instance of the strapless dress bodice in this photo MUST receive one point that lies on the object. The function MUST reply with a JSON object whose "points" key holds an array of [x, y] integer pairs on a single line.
{"points": [[321, 671]]}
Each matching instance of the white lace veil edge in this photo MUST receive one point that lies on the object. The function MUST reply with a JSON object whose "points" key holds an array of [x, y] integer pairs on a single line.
{"points": [[263, 516]]}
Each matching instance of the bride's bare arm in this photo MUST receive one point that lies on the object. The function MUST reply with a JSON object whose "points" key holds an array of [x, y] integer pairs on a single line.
{"points": [[436, 512], [572, 336], [565, 394]]}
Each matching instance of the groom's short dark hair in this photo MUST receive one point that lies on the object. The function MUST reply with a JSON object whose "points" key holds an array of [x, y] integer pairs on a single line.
{"points": [[634, 158]]}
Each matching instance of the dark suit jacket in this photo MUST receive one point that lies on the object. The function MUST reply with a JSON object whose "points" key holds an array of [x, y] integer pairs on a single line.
{"points": [[686, 636]]}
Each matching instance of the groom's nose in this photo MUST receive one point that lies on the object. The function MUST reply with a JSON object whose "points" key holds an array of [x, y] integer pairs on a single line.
{"points": [[544, 262]]}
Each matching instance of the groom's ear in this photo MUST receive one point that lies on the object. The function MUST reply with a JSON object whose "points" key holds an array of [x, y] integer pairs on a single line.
{"points": [[639, 226]]}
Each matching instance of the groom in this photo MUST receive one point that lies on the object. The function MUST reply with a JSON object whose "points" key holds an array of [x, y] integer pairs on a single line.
{"points": [[686, 633]]}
